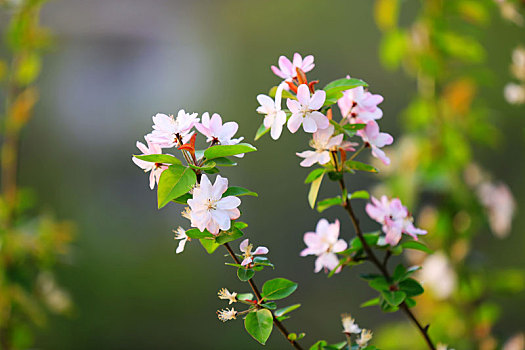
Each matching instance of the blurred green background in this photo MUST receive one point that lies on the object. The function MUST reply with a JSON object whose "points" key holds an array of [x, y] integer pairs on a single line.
{"points": [[118, 62]]}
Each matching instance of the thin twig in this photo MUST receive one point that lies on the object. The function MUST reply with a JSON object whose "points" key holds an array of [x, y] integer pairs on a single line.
{"points": [[255, 290], [373, 258]]}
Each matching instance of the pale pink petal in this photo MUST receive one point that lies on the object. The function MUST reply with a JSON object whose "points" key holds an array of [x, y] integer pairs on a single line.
{"points": [[303, 94], [294, 122], [229, 202], [321, 120], [244, 244], [261, 251], [293, 105], [317, 100], [220, 186], [309, 124]]}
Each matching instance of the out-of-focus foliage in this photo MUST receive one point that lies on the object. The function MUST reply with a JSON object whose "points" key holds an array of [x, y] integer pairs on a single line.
{"points": [[31, 243], [444, 122]]}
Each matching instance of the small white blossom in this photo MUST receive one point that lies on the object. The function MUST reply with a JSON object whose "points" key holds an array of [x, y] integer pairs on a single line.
{"points": [[225, 294], [246, 249], [366, 336], [226, 315], [181, 235], [167, 129], [349, 325], [274, 118]]}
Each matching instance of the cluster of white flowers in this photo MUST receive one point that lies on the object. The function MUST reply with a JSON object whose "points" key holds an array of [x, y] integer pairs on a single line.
{"points": [[515, 92], [350, 328]]}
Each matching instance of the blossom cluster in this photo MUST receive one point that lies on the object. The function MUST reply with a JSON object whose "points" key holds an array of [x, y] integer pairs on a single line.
{"points": [[515, 92], [207, 209]]}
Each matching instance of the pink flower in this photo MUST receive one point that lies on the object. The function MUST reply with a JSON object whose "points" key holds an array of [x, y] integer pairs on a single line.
{"points": [[324, 243], [274, 118], [155, 169], [371, 135], [209, 210], [394, 217], [323, 141], [216, 131], [167, 129], [358, 103], [287, 70], [500, 205], [304, 111], [246, 249]]}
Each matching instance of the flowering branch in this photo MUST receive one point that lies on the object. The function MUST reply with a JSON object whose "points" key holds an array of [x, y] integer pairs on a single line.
{"points": [[255, 290], [382, 266]]}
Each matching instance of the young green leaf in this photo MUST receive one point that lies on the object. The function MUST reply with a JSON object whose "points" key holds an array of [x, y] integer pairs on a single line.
{"points": [[394, 298], [245, 274], [416, 245], [183, 199], [228, 150], [370, 302], [239, 191], [261, 132], [286, 310], [314, 174], [278, 288], [259, 325], [314, 190], [195, 233], [222, 161], [174, 182], [227, 236], [355, 165], [159, 158], [206, 166], [359, 195], [411, 287], [328, 202], [209, 244]]}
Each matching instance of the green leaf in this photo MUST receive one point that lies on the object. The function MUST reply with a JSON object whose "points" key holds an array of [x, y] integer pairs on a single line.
{"points": [[222, 161], [270, 306], [359, 195], [394, 298], [319, 345], [399, 273], [410, 302], [314, 190], [239, 191], [195, 233], [355, 165], [245, 274], [227, 236], [245, 296], [416, 245], [370, 302], [261, 132], [259, 325], [228, 150], [183, 199], [411, 287], [278, 288], [314, 174], [285, 310], [159, 158], [328, 202], [174, 182], [380, 284], [344, 84], [240, 225], [209, 244], [206, 166], [370, 239]]}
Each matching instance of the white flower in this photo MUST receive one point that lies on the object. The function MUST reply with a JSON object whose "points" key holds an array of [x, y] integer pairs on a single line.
{"points": [[274, 118], [226, 315], [441, 346], [500, 205], [324, 243], [209, 210], [438, 274], [323, 141], [225, 294], [246, 249], [155, 169], [167, 129], [514, 93], [216, 131], [304, 110], [349, 325], [181, 234], [361, 104], [366, 336]]}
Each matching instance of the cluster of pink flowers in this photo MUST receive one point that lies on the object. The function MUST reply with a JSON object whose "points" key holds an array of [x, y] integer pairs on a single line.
{"points": [[394, 217], [169, 132], [357, 106], [207, 208]]}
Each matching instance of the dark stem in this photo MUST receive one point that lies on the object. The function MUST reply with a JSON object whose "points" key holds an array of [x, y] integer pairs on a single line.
{"points": [[382, 267], [255, 290]]}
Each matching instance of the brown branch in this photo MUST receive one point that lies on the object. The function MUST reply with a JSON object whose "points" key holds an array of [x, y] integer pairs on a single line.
{"points": [[382, 267], [255, 290]]}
